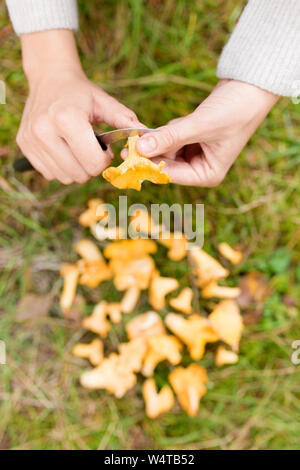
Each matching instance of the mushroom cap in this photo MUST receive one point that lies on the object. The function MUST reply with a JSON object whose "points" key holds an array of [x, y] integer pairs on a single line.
{"points": [[134, 170], [92, 273], [142, 222], [132, 353], [137, 248], [88, 250], [224, 356], [70, 274], [135, 272], [145, 325], [183, 302], [110, 375], [212, 289], [177, 244], [130, 299], [195, 332], [234, 256], [159, 288], [205, 267], [157, 402], [160, 348], [98, 322], [227, 321], [189, 386]]}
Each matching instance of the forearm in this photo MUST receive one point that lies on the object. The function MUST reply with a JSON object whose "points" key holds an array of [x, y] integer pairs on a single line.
{"points": [[264, 49], [49, 52], [39, 15]]}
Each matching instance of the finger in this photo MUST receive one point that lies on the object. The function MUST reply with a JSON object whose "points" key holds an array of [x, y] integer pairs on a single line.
{"points": [[113, 113], [169, 138], [80, 143]]}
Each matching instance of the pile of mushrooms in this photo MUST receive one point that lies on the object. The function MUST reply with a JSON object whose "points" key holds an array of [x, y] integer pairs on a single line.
{"points": [[172, 328]]}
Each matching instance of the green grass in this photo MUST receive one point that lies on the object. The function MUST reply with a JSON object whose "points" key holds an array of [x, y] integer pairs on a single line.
{"points": [[159, 58]]}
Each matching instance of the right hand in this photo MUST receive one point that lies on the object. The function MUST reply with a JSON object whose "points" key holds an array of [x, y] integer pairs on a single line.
{"points": [[55, 133]]}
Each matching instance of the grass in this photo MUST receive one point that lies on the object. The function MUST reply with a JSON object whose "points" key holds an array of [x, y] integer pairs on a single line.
{"points": [[159, 58]]}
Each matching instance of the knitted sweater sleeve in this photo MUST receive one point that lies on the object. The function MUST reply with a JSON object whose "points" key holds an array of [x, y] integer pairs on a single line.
{"points": [[264, 48], [29, 16]]}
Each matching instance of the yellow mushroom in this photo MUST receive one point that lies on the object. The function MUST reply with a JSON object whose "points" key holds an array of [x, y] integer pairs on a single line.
{"points": [[88, 250], [92, 273], [111, 375], [128, 272], [205, 267], [134, 170], [130, 249], [145, 325], [95, 212], [161, 348], [224, 356], [177, 244], [183, 302], [130, 299], [212, 289], [97, 322], [195, 332], [132, 353], [70, 274], [160, 287], [157, 402], [114, 311], [227, 322], [189, 386], [142, 223], [92, 351], [234, 256], [101, 232]]}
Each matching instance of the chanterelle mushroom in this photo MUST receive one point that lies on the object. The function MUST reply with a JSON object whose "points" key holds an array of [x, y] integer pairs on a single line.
{"points": [[88, 250], [183, 302], [205, 267], [92, 351], [227, 321], [159, 288], [94, 213], [98, 322], [161, 348], [189, 386], [212, 289], [130, 248], [177, 244], [110, 375], [224, 356], [136, 272], [134, 170], [142, 223], [70, 274], [157, 402], [145, 325], [132, 353], [234, 256], [130, 299], [195, 332], [92, 273]]}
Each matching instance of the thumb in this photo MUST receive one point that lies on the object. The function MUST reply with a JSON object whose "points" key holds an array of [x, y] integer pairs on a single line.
{"points": [[169, 138]]}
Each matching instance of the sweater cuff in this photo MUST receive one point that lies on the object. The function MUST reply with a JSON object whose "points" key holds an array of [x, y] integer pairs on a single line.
{"points": [[29, 16], [264, 48]]}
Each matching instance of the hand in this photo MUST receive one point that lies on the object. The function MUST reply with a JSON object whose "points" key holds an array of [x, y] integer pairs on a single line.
{"points": [[56, 133], [200, 148]]}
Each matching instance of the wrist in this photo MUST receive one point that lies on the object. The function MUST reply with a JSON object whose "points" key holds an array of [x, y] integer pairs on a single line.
{"points": [[49, 53]]}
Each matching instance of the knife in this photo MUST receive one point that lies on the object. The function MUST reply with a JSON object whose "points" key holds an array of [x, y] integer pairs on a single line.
{"points": [[106, 138]]}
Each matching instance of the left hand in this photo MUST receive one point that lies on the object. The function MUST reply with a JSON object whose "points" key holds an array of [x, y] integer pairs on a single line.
{"points": [[200, 148]]}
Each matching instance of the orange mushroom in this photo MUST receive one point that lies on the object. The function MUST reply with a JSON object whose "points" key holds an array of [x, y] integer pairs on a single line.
{"points": [[95, 212], [183, 302], [205, 267], [110, 375], [234, 256], [134, 170], [130, 299], [160, 287], [160, 348], [70, 274], [189, 386], [212, 289], [142, 223], [92, 351], [177, 244], [195, 332], [145, 325], [130, 249], [157, 402], [227, 322], [132, 353], [92, 273], [88, 250], [98, 322], [114, 310], [224, 357], [136, 272]]}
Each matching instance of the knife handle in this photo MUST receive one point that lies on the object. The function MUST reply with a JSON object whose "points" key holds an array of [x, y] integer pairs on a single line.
{"points": [[22, 164]]}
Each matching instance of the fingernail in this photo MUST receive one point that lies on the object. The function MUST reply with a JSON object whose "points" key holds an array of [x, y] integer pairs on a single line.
{"points": [[147, 145]]}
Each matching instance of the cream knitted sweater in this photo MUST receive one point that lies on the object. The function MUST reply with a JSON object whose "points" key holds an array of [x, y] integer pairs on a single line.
{"points": [[263, 50]]}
